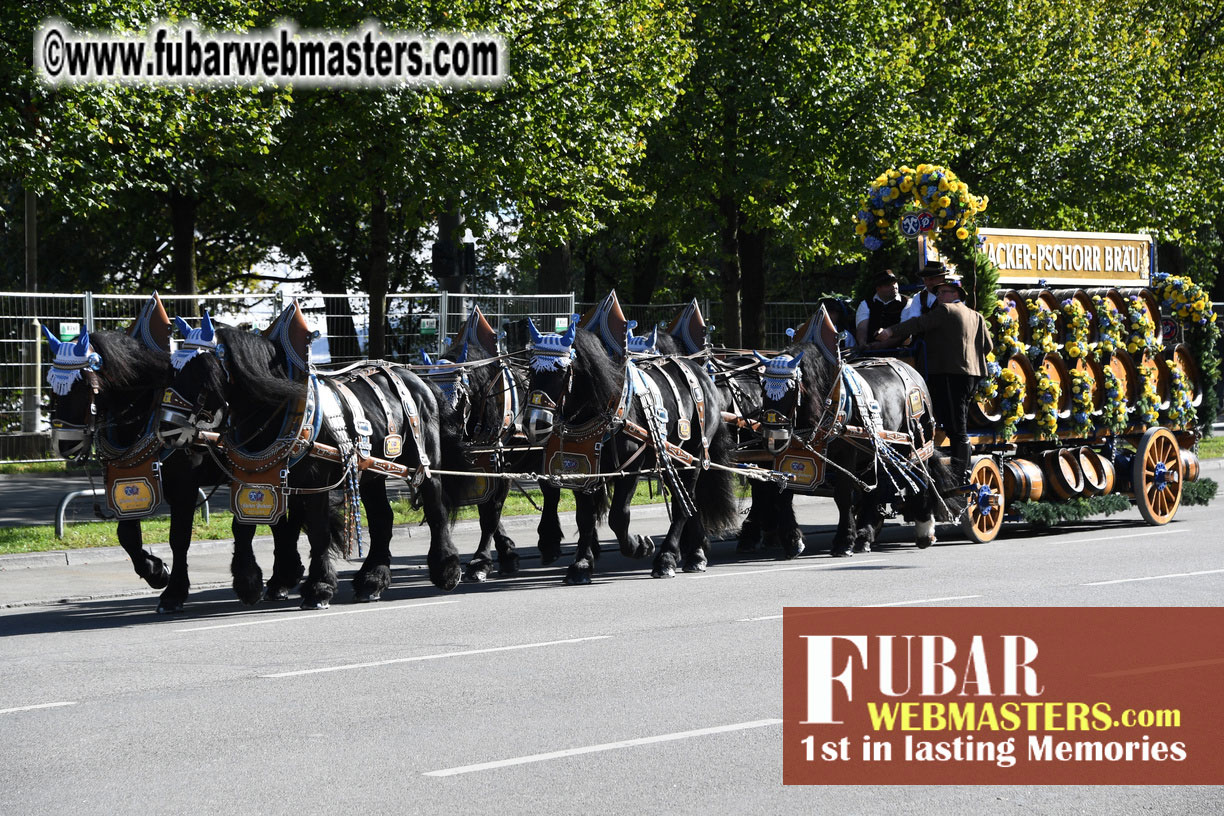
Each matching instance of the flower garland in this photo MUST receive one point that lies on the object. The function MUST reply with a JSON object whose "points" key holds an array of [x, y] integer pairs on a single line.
{"points": [[1076, 344], [1147, 407], [1048, 394], [1081, 403], [1185, 298], [1011, 404], [1142, 336], [929, 187], [1043, 323], [1181, 402], [1113, 410], [887, 196], [988, 388], [1005, 331], [1110, 327]]}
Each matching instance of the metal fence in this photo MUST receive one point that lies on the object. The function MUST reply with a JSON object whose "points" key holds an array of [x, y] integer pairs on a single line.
{"points": [[415, 322]]}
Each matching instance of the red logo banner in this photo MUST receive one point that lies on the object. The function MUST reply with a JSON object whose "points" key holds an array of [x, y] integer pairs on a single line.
{"points": [[1003, 696]]}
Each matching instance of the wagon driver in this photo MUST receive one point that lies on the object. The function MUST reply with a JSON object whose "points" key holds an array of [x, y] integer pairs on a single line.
{"points": [[882, 310], [957, 345]]}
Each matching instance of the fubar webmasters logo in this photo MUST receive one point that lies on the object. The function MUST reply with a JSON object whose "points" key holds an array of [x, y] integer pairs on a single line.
{"points": [[1003, 696]]}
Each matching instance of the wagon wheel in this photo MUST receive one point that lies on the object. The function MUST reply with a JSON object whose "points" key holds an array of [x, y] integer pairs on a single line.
{"points": [[1157, 476], [983, 516]]}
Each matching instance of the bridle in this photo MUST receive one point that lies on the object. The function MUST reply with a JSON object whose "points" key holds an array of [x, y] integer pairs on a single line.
{"points": [[79, 438]]}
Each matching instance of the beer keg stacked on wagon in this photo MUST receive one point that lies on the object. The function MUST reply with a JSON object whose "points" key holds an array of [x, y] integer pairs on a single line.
{"points": [[1075, 371]]}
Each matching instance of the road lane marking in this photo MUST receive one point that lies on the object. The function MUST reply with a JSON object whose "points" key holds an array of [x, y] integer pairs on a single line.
{"points": [[607, 746], [1131, 535], [926, 600], [894, 603], [263, 618], [828, 565], [33, 707], [419, 658], [1154, 577]]}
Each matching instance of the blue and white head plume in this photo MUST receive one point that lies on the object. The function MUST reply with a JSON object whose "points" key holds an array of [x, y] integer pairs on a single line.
{"points": [[551, 352], [70, 359], [645, 344], [196, 341], [779, 376]]}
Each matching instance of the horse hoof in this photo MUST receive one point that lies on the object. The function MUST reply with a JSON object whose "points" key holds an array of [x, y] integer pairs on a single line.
{"points": [[316, 605], [550, 551], [578, 577], [508, 565], [862, 547], [159, 579], [925, 542], [276, 593], [842, 552], [663, 572], [173, 608], [645, 547], [476, 576], [367, 597], [695, 566], [446, 574]]}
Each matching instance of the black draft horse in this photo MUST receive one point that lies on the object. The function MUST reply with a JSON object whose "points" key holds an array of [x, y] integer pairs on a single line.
{"points": [[738, 380], [865, 474], [580, 395], [110, 412], [249, 376]]}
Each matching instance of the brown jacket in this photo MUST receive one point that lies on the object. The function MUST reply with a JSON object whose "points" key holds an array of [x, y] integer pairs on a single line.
{"points": [[956, 339]]}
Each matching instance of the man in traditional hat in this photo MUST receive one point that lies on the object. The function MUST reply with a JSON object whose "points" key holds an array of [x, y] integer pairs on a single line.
{"points": [[933, 274], [882, 310], [957, 345]]}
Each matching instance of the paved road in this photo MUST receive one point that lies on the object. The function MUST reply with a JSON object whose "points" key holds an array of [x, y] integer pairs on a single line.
{"points": [[272, 710]]}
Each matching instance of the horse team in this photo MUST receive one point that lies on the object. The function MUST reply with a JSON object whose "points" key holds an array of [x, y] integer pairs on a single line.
{"points": [[592, 409]]}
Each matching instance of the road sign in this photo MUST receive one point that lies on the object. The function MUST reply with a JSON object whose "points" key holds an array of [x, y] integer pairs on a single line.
{"points": [[911, 225]]}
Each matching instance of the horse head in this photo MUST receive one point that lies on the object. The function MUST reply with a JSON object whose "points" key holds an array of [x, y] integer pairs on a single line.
{"points": [[781, 386], [194, 401], [74, 381], [551, 359]]}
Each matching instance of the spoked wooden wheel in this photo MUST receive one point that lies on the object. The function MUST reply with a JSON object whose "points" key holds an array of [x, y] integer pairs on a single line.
{"points": [[1157, 476], [983, 516]]}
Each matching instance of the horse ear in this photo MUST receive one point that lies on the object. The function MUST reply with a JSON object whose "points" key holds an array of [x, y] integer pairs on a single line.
{"points": [[795, 362], [82, 343], [206, 325], [152, 325], [758, 355], [52, 340], [425, 358], [183, 326], [536, 337], [568, 338], [654, 337]]}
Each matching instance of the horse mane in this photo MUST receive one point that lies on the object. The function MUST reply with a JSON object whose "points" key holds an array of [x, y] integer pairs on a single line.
{"points": [[668, 346], [818, 376], [604, 376], [257, 367], [130, 365]]}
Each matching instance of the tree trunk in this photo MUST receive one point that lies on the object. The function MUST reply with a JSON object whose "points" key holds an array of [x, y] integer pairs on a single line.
{"points": [[556, 270], [182, 224], [327, 273], [647, 273], [729, 273], [752, 274], [377, 276]]}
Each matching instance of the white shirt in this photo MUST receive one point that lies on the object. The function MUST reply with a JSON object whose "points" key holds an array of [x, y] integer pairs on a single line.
{"points": [[864, 310], [914, 308]]}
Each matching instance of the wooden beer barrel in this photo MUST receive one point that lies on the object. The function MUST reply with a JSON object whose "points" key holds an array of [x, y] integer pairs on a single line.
{"points": [[1128, 374], [1147, 302], [1097, 372], [988, 412], [1084, 299], [1062, 472], [1180, 358], [1056, 369], [1153, 369], [1017, 310], [1022, 481], [1045, 301], [1110, 297], [1098, 472], [1190, 465]]}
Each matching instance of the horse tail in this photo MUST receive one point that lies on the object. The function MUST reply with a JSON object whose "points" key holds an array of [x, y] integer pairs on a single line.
{"points": [[947, 502], [603, 501], [716, 505], [337, 540]]}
